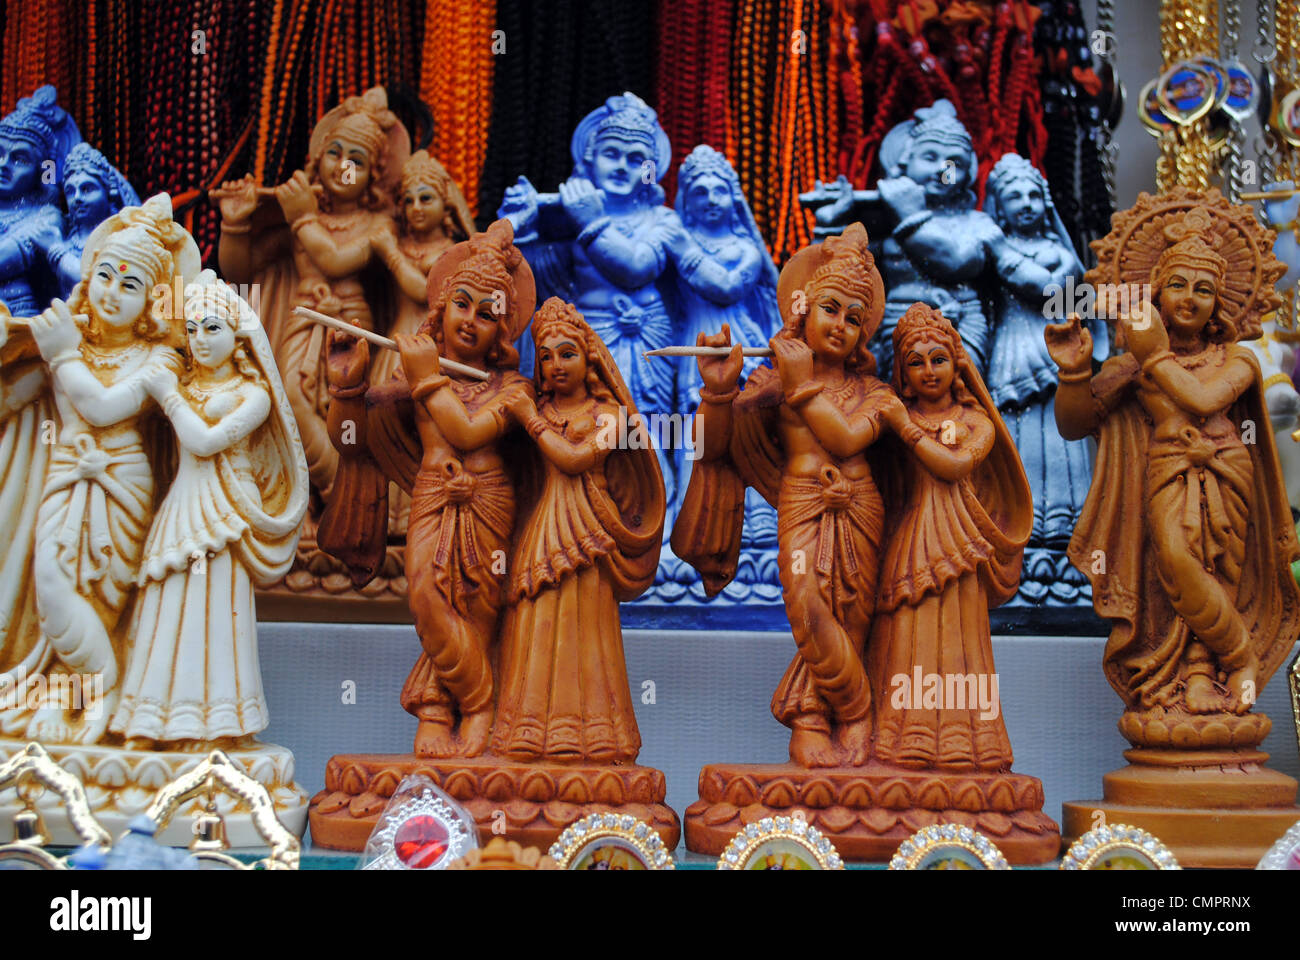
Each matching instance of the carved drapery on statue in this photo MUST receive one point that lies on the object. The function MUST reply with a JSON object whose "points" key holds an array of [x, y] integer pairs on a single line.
{"points": [[588, 542], [955, 552]]}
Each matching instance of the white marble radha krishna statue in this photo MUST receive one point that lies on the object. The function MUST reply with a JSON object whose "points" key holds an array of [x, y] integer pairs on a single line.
{"points": [[142, 654]]}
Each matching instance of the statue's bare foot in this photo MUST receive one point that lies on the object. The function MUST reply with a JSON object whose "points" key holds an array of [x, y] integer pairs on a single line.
{"points": [[811, 747], [475, 730], [95, 717], [1241, 686], [1201, 696], [433, 738], [51, 725], [854, 741]]}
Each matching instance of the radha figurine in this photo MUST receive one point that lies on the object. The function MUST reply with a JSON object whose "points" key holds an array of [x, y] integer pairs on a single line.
{"points": [[432, 216], [230, 521], [964, 516], [590, 541], [1022, 377], [727, 276]]}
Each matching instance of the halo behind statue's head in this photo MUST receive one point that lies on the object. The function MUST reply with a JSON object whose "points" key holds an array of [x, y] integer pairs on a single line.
{"points": [[367, 121], [423, 168], [1133, 254], [936, 122], [39, 121], [628, 117], [490, 261]]}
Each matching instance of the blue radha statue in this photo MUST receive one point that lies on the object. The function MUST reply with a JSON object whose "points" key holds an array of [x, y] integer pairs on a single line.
{"points": [[34, 140], [727, 276], [93, 190], [607, 244], [1022, 378]]}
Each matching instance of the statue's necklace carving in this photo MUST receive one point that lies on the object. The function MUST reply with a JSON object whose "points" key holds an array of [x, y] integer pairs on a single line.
{"points": [[202, 394], [562, 418], [107, 359]]}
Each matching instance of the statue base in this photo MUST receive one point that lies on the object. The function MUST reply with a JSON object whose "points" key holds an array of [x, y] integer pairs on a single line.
{"points": [[120, 784], [868, 811], [1212, 808], [533, 801], [317, 589]]}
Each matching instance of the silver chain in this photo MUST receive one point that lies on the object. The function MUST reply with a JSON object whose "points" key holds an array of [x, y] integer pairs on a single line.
{"points": [[1106, 146], [1233, 151], [1269, 144], [1231, 28]]}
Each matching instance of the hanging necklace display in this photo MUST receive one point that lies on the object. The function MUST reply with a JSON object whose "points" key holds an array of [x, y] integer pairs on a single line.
{"points": [[1150, 112], [1111, 99], [1186, 92], [31, 772], [1238, 102]]}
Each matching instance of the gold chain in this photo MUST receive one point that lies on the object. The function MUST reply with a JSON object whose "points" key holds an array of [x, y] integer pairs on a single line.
{"points": [[1188, 28]]}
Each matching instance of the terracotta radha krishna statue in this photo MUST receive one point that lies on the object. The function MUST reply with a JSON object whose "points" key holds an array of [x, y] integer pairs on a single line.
{"points": [[906, 545], [528, 526]]}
